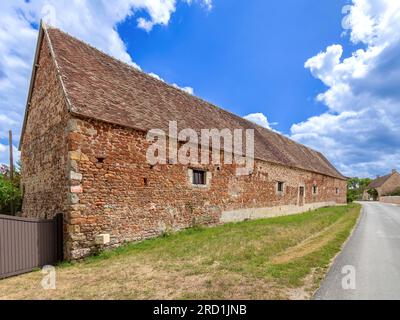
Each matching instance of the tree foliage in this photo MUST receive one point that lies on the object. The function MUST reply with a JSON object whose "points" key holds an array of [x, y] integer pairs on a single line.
{"points": [[356, 187], [10, 193]]}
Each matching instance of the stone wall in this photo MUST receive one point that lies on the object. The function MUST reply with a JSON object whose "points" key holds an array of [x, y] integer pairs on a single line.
{"points": [[115, 191], [97, 175], [390, 185], [393, 200], [44, 146]]}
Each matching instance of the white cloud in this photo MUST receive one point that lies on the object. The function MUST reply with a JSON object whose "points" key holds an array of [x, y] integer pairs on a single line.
{"points": [[323, 64], [208, 4], [94, 21], [360, 131], [260, 119], [5, 122], [5, 156], [3, 148], [189, 90], [160, 11], [145, 24], [156, 76]]}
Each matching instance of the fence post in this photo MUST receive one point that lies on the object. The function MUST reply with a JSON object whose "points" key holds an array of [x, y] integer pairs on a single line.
{"points": [[59, 230], [11, 168]]}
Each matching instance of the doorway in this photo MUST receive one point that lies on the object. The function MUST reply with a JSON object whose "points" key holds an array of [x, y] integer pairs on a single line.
{"points": [[301, 196]]}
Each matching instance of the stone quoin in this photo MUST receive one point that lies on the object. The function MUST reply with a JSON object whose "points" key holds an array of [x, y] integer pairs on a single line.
{"points": [[83, 152]]}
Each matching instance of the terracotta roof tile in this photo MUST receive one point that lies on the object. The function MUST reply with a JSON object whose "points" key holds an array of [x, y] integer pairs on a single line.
{"points": [[106, 89], [378, 182]]}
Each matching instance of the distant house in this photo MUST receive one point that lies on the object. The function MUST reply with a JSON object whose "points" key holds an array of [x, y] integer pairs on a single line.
{"points": [[83, 150], [383, 186]]}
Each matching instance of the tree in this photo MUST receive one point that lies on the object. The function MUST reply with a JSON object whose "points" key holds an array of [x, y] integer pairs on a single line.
{"points": [[363, 184], [356, 187], [9, 191]]}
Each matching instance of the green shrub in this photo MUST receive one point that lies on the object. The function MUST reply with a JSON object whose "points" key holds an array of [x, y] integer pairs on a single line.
{"points": [[351, 196], [356, 187], [9, 194]]}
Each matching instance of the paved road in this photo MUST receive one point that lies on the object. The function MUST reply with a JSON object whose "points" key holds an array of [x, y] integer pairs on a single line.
{"points": [[371, 257]]}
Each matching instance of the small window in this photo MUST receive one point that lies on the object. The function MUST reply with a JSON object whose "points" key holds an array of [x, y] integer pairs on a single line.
{"points": [[337, 190], [199, 177], [280, 186], [314, 189]]}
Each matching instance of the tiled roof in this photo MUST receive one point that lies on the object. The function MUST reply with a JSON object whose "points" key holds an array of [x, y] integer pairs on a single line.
{"points": [[101, 87], [378, 182]]}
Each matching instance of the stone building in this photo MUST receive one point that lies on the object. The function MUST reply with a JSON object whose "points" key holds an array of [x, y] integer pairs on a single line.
{"points": [[83, 151], [383, 185]]}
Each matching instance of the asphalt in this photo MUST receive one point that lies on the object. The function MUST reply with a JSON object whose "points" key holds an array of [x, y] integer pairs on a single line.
{"points": [[369, 265]]}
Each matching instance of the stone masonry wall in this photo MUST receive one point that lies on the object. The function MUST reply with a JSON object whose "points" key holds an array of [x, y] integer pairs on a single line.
{"points": [[393, 200], [97, 175], [44, 146], [390, 185], [114, 190]]}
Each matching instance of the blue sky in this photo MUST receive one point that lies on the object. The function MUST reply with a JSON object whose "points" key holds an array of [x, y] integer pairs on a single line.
{"points": [[305, 68], [243, 58]]}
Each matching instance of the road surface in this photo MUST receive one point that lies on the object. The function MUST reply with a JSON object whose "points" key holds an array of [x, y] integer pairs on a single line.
{"points": [[369, 265]]}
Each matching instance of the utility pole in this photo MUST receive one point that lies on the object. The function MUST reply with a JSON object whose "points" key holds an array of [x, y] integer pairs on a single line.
{"points": [[11, 166], [11, 156]]}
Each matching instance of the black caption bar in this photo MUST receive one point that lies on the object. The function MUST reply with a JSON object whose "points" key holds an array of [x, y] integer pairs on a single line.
{"points": [[132, 310]]}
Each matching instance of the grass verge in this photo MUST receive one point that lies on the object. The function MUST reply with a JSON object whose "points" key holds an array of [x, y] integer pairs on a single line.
{"points": [[277, 258]]}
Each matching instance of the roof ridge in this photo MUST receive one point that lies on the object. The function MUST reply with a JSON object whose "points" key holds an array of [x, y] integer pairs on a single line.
{"points": [[57, 66]]}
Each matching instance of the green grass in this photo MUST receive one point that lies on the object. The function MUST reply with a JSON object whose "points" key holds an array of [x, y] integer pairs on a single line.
{"points": [[236, 260]]}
